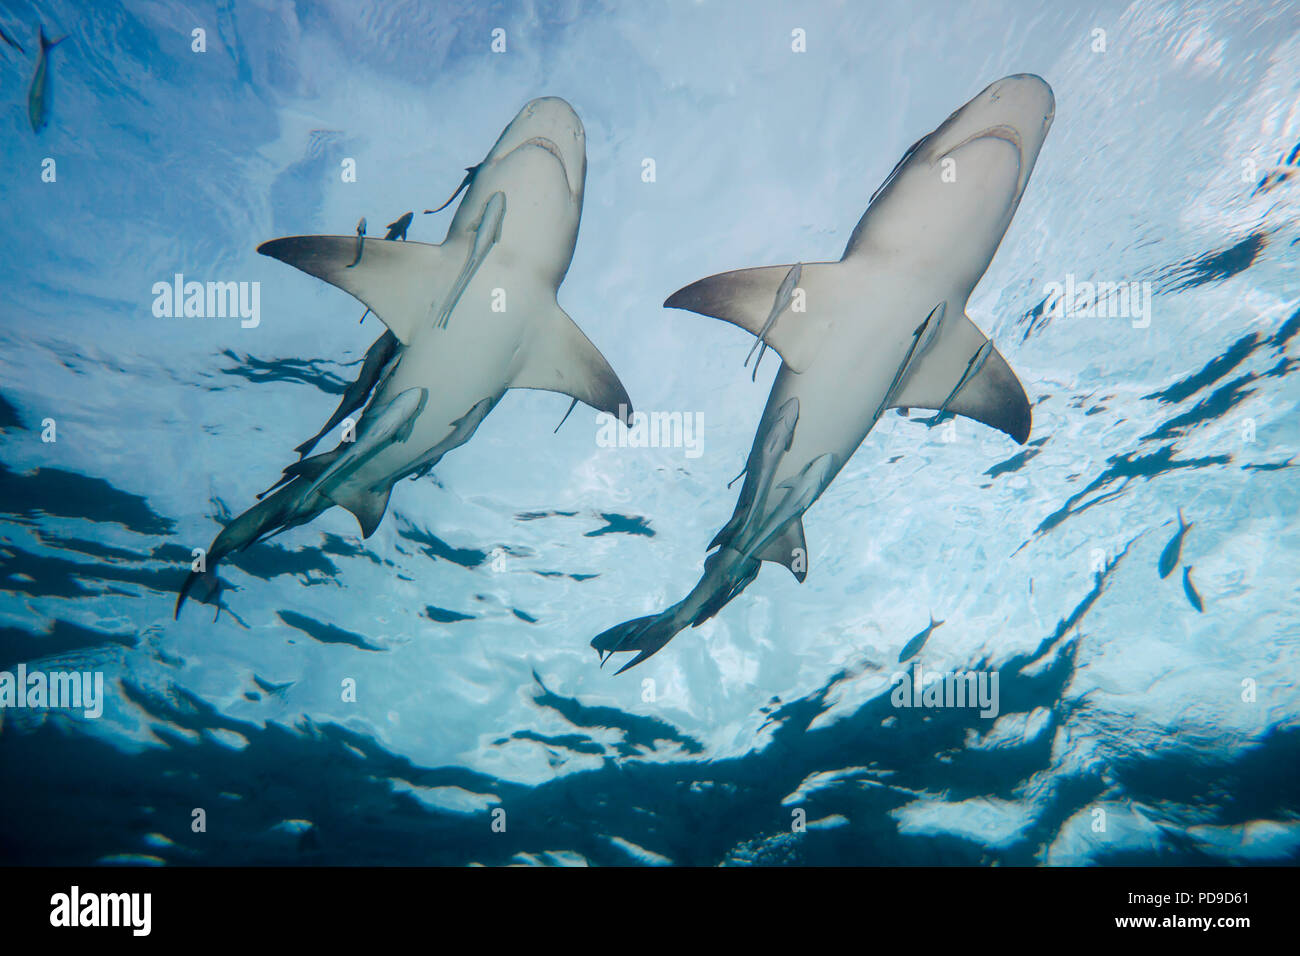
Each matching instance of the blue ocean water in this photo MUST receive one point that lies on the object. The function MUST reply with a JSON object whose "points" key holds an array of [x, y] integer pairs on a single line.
{"points": [[1132, 727]]}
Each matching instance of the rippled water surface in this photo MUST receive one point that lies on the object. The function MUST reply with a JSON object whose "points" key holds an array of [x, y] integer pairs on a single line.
{"points": [[1131, 726]]}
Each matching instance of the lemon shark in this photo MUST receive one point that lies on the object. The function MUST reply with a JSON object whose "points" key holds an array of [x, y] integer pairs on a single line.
{"points": [[883, 327], [466, 320]]}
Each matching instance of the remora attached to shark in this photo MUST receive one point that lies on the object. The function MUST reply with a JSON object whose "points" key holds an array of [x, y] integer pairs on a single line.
{"points": [[883, 327], [430, 387]]}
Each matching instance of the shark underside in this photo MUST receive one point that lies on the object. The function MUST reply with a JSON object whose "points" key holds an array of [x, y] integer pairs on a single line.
{"points": [[883, 327], [466, 320]]}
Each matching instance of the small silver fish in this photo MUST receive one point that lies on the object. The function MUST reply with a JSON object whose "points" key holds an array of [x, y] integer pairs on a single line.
{"points": [[361, 241], [1190, 590], [781, 302], [38, 97], [972, 369], [469, 178], [913, 646], [397, 228], [777, 442], [11, 41], [924, 337], [486, 235], [1174, 549], [800, 492]]}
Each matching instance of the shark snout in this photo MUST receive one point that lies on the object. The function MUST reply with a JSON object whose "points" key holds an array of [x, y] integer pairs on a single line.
{"points": [[549, 123], [1016, 109], [1025, 100], [553, 107]]}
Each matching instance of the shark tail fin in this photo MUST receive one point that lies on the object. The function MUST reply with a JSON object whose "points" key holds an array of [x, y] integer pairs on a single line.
{"points": [[281, 510], [644, 634], [209, 588], [46, 43]]}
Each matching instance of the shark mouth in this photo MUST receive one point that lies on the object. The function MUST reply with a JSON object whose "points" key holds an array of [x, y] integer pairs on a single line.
{"points": [[1007, 134], [1004, 132], [541, 142]]}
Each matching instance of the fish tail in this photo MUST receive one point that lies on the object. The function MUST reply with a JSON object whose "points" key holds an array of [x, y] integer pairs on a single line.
{"points": [[46, 43], [725, 576], [282, 509], [644, 634], [211, 589]]}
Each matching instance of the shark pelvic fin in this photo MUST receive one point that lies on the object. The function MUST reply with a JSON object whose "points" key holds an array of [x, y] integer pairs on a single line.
{"points": [[367, 506], [788, 548], [396, 279], [746, 298], [559, 358], [961, 372]]}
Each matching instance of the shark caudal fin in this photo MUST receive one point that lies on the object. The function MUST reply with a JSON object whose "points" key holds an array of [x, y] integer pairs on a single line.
{"points": [[46, 43], [726, 574], [286, 508], [961, 372], [647, 635], [206, 588]]}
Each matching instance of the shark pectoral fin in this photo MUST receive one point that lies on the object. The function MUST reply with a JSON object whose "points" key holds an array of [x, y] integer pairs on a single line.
{"points": [[950, 375], [788, 548], [559, 358], [745, 298], [395, 279], [367, 505]]}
